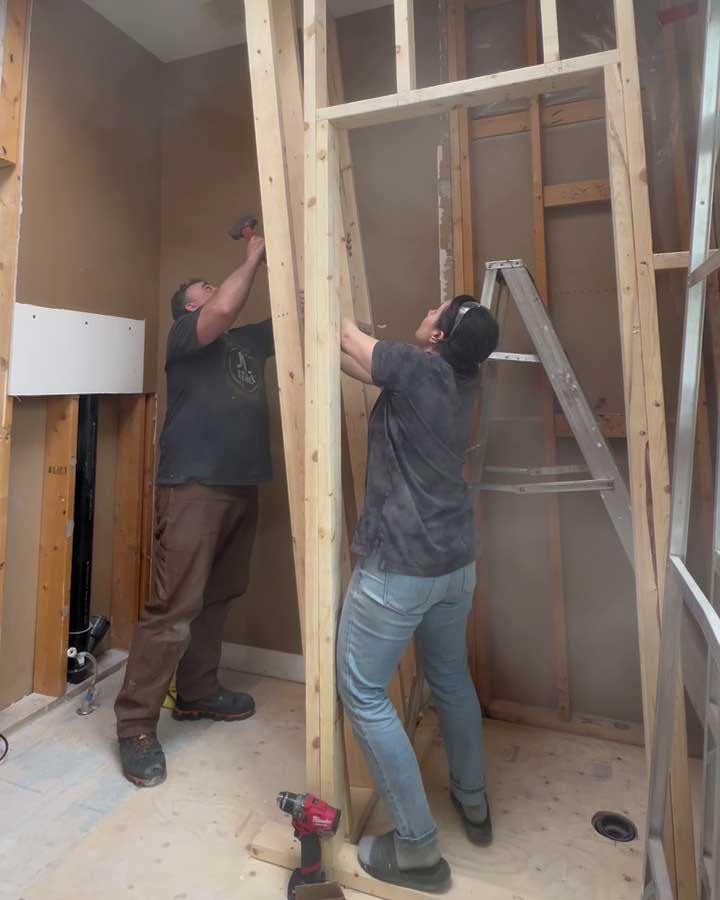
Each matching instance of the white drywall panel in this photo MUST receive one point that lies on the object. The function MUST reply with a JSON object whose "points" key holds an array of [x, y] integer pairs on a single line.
{"points": [[63, 351]]}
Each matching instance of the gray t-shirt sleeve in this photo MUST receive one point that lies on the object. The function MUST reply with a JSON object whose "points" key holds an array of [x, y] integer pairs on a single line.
{"points": [[182, 339], [398, 367]]}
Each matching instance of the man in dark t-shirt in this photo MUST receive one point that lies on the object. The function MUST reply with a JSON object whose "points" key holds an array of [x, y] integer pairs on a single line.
{"points": [[214, 451]]}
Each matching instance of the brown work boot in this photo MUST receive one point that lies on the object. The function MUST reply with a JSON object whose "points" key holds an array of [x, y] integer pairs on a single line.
{"points": [[143, 760], [224, 706]]}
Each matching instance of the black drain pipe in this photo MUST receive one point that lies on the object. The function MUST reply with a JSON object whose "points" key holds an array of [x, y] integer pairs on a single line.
{"points": [[85, 631]]}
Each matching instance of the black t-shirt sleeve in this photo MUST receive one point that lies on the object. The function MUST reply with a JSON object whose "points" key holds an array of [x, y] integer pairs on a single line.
{"points": [[398, 367], [183, 339]]}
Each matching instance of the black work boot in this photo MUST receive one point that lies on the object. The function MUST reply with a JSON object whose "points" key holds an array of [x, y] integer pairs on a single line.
{"points": [[143, 760], [224, 706]]}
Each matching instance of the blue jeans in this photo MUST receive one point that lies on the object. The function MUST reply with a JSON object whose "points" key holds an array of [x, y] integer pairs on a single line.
{"points": [[381, 613]]}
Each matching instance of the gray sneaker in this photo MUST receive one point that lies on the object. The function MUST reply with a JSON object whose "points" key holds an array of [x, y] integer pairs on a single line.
{"points": [[143, 760]]}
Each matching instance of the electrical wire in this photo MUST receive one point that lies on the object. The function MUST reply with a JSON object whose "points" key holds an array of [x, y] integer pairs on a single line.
{"points": [[4, 747]]}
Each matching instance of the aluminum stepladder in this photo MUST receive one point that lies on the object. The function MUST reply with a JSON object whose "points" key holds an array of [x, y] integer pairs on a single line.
{"points": [[510, 279], [684, 601]]}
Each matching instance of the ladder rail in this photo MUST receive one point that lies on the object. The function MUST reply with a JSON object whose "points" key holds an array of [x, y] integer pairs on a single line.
{"points": [[572, 400]]}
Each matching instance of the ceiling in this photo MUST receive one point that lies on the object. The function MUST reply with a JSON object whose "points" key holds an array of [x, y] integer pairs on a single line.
{"points": [[175, 29]]}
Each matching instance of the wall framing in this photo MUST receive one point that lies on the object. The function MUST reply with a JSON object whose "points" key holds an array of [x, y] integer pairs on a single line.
{"points": [[631, 217]]}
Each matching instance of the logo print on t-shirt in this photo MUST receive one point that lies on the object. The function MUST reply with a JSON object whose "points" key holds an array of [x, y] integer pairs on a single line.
{"points": [[241, 368]]}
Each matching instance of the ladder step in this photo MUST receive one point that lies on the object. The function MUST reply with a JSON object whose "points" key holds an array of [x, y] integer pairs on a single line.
{"points": [[546, 487]]}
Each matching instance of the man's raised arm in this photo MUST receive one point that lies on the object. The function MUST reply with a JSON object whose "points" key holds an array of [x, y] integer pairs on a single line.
{"points": [[220, 312]]}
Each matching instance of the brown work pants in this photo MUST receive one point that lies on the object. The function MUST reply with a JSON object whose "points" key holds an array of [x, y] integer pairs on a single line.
{"points": [[201, 557]]}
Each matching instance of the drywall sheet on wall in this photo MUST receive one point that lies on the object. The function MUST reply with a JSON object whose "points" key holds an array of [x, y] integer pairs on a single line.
{"points": [[62, 351]]}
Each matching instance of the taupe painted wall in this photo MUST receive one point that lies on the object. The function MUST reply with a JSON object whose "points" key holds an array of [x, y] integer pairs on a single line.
{"points": [[209, 179], [90, 240]]}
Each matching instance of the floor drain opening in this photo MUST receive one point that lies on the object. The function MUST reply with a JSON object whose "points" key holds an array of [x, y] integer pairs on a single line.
{"points": [[614, 827]]}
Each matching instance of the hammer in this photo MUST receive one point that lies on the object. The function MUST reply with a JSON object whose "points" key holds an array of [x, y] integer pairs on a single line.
{"points": [[245, 228]]}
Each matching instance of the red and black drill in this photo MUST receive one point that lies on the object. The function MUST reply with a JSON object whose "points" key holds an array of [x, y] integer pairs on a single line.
{"points": [[312, 820]]}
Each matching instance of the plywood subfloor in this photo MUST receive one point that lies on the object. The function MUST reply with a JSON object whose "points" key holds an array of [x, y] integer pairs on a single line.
{"points": [[74, 828]]}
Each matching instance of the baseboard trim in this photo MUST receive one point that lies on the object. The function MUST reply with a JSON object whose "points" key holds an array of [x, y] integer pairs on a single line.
{"points": [[257, 661]]}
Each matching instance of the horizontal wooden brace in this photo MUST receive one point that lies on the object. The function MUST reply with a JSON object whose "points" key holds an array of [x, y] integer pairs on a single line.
{"points": [[569, 113], [679, 259], [577, 192], [515, 84]]}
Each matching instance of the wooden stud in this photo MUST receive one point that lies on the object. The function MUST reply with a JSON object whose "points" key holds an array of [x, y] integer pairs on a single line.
{"points": [[574, 193], [55, 558], [316, 94], [13, 81], [513, 84], [127, 521], [639, 356], [555, 559], [148, 498], [680, 850], [279, 214], [289, 83], [550, 38], [518, 122], [405, 45], [10, 200]]}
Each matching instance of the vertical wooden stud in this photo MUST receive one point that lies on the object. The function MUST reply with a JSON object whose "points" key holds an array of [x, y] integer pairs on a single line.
{"points": [[638, 355], [316, 96], [127, 519], [555, 561], [283, 278], [550, 39], [11, 118], [405, 45], [55, 558]]}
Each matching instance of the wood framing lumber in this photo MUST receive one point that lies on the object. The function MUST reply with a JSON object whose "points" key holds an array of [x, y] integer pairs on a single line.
{"points": [[461, 187], [574, 193], [13, 76], [554, 544], [10, 202], [127, 520], [275, 844], [55, 556], [405, 45], [678, 259], [315, 95], [640, 359], [550, 37], [283, 279], [587, 726], [354, 293], [513, 84], [569, 113], [146, 537], [289, 81]]}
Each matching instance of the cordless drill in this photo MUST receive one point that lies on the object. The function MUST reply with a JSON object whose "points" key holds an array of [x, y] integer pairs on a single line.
{"points": [[312, 819]]}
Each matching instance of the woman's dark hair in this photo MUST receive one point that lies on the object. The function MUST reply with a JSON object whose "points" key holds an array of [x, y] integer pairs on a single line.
{"points": [[179, 298], [471, 334]]}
